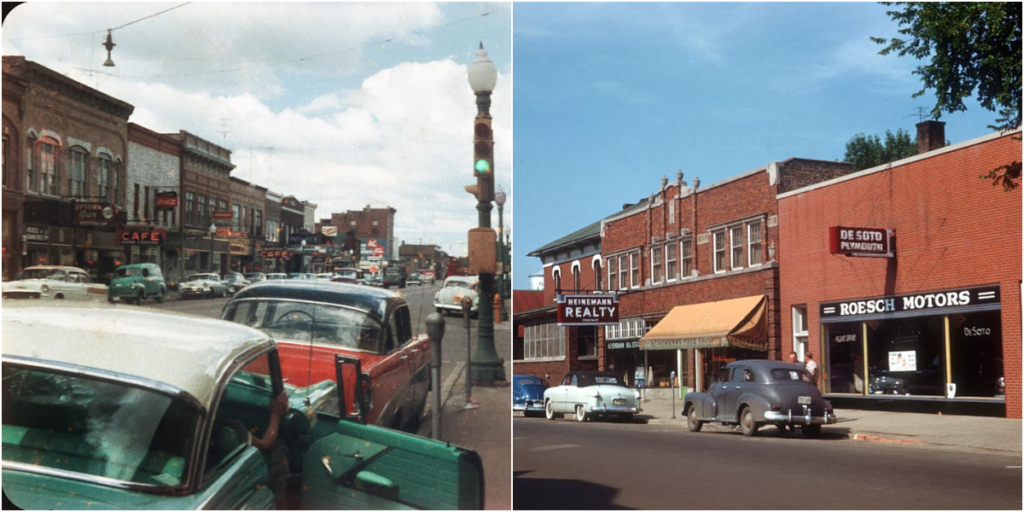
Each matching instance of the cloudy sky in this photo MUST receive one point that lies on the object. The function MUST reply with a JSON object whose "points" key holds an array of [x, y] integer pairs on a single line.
{"points": [[341, 104], [611, 97]]}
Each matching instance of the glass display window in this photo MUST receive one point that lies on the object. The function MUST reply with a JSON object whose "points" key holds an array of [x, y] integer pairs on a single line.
{"points": [[976, 354]]}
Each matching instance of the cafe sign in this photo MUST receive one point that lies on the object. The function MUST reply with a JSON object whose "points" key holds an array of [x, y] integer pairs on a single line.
{"points": [[141, 235], [869, 242], [578, 310]]}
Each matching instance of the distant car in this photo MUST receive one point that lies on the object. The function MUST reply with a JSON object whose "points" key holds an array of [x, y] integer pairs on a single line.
{"points": [[53, 282], [528, 394], [296, 275], [236, 281], [752, 393], [203, 285], [254, 276], [413, 279], [345, 275], [104, 407], [428, 278], [324, 276], [373, 280], [591, 394], [275, 276], [449, 297], [312, 323], [137, 282], [394, 277]]}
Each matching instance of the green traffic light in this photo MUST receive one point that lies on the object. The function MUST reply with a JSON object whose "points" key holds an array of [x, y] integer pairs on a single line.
{"points": [[482, 166]]}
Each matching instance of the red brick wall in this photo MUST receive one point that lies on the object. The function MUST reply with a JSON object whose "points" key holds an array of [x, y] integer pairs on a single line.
{"points": [[952, 230]]}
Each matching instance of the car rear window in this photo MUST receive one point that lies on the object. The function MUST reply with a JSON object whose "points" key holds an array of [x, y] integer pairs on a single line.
{"points": [[781, 374], [530, 382]]}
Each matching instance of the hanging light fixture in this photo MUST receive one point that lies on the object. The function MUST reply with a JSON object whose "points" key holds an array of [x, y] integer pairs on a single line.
{"points": [[109, 45]]}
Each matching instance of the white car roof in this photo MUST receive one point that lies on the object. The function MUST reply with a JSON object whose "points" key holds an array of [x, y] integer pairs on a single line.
{"points": [[188, 353]]}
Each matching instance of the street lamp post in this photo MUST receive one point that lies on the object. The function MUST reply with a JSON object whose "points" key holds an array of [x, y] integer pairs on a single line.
{"points": [[486, 367], [499, 199], [213, 231], [303, 257]]}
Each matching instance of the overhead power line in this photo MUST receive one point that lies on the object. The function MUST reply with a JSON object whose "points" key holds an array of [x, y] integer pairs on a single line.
{"points": [[96, 31]]}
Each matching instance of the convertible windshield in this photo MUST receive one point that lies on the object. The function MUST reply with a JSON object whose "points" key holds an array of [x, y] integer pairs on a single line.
{"points": [[318, 323], [42, 273], [94, 427]]}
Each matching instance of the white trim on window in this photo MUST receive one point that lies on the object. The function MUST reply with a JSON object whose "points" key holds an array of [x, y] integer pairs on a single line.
{"points": [[672, 264], [754, 244], [800, 336], [720, 251], [634, 269], [686, 259], [736, 242], [657, 266]]}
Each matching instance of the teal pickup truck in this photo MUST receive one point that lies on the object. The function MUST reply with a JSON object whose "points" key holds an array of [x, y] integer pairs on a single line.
{"points": [[134, 409]]}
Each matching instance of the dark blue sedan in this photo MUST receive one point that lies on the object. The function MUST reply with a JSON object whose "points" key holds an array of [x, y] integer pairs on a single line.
{"points": [[528, 394]]}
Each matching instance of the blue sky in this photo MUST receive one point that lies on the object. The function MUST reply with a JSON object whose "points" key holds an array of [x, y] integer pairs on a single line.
{"points": [[611, 96], [342, 104]]}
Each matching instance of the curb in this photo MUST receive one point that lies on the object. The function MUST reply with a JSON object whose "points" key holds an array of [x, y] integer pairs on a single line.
{"points": [[879, 439]]}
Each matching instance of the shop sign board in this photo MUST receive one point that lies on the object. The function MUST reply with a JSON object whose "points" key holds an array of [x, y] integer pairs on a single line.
{"points": [[922, 301], [94, 214], [869, 242], [141, 235], [223, 215], [583, 309], [329, 230], [276, 254], [166, 200], [36, 234], [619, 345]]}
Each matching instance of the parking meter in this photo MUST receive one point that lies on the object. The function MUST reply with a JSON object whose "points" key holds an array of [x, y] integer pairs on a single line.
{"points": [[435, 329], [672, 387]]}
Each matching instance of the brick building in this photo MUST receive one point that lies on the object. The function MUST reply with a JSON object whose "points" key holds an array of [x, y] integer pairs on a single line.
{"points": [[154, 166], [935, 321], [248, 201], [206, 189], [369, 233], [419, 257], [70, 145]]}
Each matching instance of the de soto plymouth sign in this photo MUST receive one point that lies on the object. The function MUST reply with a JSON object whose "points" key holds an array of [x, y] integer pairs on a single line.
{"points": [[870, 242]]}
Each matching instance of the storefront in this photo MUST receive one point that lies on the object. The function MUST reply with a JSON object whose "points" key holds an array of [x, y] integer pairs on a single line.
{"points": [[942, 344]]}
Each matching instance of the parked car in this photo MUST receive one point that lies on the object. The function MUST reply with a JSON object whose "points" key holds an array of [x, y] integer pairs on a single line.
{"points": [[324, 276], [346, 275], [275, 276], [449, 297], [752, 393], [394, 276], [428, 277], [373, 280], [413, 279], [53, 282], [528, 394], [312, 323], [591, 394], [137, 409], [236, 281], [255, 276], [203, 285], [137, 282]]}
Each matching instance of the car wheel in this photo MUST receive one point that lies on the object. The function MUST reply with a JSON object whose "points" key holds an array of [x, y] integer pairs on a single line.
{"points": [[747, 423], [160, 297], [549, 411], [811, 431], [691, 421], [110, 300], [140, 298], [581, 414]]}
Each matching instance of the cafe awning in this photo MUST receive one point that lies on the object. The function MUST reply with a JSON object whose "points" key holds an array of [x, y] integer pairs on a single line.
{"points": [[739, 323]]}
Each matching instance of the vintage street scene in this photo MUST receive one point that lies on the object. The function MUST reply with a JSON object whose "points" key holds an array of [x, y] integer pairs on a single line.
{"points": [[768, 256], [256, 255]]}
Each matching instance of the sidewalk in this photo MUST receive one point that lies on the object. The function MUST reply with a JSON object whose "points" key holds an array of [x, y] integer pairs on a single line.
{"points": [[965, 432]]}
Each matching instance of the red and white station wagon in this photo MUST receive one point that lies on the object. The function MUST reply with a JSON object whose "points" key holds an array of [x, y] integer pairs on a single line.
{"points": [[314, 321]]}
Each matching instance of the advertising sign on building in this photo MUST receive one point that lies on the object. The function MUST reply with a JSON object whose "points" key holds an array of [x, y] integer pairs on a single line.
{"points": [[588, 310], [870, 242], [276, 254], [373, 247], [94, 214], [329, 230], [141, 235], [166, 200], [961, 299]]}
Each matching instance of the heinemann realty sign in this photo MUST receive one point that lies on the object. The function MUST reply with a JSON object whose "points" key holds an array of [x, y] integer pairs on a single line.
{"points": [[588, 310]]}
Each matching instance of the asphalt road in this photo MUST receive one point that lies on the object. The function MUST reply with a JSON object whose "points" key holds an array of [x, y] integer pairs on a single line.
{"points": [[568, 465]]}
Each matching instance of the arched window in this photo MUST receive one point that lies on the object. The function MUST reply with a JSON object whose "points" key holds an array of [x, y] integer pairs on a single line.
{"points": [[556, 275], [104, 169], [597, 274], [576, 278], [49, 169]]}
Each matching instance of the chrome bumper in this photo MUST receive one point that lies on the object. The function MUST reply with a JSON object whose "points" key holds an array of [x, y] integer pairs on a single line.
{"points": [[526, 407], [806, 419], [616, 409]]}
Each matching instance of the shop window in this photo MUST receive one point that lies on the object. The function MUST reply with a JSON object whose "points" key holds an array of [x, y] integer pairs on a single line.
{"points": [[909, 354], [544, 341], [586, 339], [719, 237], [686, 254], [800, 331], [754, 244], [976, 354], [656, 267], [671, 262], [736, 242], [845, 358]]}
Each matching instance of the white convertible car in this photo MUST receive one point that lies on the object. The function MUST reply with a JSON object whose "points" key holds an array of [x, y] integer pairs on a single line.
{"points": [[449, 297], [590, 394], [54, 282]]}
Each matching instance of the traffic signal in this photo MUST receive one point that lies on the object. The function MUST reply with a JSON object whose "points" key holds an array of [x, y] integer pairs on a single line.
{"points": [[483, 159]]}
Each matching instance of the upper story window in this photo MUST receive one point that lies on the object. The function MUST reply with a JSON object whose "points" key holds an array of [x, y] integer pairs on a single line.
{"points": [[76, 174], [720, 251], [613, 273], [556, 275], [117, 181], [736, 242], [597, 275], [671, 261], [31, 166], [103, 178], [800, 331], [686, 255], [623, 271], [576, 278], [236, 217], [201, 211], [258, 221], [656, 268], [48, 167], [6, 158], [634, 269], [754, 243], [190, 209]]}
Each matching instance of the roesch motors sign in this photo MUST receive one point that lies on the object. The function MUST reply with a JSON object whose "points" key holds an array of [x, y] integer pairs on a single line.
{"points": [[578, 310], [871, 242], [984, 297]]}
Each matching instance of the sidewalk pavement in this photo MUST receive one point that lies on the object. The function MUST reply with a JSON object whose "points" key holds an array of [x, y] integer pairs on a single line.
{"points": [[487, 428], [964, 432]]}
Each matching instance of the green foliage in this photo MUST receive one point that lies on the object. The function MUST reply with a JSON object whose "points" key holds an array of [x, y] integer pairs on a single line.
{"points": [[964, 47], [866, 151]]}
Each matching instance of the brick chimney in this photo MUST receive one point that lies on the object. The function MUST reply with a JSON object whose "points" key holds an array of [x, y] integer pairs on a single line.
{"points": [[931, 135]]}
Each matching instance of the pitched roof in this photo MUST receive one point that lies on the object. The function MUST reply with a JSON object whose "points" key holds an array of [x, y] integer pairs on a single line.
{"points": [[584, 233], [527, 300]]}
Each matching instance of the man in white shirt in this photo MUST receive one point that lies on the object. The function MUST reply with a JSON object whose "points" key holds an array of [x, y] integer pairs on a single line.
{"points": [[812, 368]]}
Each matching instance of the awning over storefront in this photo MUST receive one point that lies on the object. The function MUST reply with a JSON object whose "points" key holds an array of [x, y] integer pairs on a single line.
{"points": [[739, 323]]}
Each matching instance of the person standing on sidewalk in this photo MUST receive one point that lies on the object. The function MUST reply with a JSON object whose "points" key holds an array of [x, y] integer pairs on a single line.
{"points": [[812, 367], [792, 356]]}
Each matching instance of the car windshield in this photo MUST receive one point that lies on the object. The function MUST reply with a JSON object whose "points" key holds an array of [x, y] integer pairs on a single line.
{"points": [[781, 374], [42, 273], [95, 427], [317, 323], [196, 277], [128, 272], [457, 283]]}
